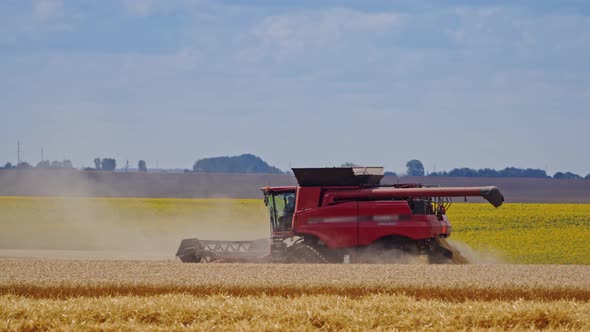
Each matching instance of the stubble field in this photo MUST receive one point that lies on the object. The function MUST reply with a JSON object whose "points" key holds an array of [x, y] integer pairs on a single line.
{"points": [[104, 292]]}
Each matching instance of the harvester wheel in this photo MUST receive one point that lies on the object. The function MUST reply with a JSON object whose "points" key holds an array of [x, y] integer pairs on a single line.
{"points": [[302, 253], [439, 258], [394, 250], [441, 252]]}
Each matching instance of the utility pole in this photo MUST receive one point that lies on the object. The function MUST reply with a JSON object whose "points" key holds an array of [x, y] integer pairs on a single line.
{"points": [[42, 156], [18, 153]]}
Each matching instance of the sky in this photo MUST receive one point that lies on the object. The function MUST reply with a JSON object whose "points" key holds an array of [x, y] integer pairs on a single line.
{"points": [[299, 83]]}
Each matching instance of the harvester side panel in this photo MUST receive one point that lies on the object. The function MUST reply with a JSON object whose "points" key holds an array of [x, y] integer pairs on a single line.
{"points": [[336, 226], [393, 218]]}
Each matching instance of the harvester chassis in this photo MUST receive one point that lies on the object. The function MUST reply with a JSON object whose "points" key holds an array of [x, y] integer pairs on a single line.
{"points": [[206, 251], [277, 250]]}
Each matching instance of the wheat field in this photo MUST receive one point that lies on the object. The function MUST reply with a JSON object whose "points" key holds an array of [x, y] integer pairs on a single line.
{"points": [[140, 295]]}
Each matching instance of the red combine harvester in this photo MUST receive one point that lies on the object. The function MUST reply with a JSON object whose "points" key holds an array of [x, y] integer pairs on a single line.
{"points": [[344, 214]]}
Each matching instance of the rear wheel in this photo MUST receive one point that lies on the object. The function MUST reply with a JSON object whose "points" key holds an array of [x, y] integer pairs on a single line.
{"points": [[393, 250], [441, 252], [303, 253], [441, 256]]}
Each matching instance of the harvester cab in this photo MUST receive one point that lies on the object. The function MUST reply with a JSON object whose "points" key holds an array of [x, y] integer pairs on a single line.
{"points": [[345, 214], [280, 202]]}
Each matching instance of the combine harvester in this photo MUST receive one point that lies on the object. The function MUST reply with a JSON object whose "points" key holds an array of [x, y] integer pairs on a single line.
{"points": [[344, 214]]}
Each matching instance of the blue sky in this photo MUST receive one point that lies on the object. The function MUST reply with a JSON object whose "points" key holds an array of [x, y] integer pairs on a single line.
{"points": [[309, 83]]}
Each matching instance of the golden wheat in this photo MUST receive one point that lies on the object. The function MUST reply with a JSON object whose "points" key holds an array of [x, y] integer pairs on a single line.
{"points": [[155, 295], [307, 312], [166, 295], [50, 278]]}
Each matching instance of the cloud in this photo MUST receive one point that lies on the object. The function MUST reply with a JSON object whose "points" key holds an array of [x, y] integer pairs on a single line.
{"points": [[288, 35], [144, 7], [150, 7], [47, 9]]}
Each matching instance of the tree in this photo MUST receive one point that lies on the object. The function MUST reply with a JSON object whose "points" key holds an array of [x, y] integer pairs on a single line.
{"points": [[246, 163], [67, 164], [487, 172], [566, 175], [24, 165], [464, 172], [8, 165], [97, 163], [508, 172], [108, 164], [415, 168], [349, 164], [587, 177], [56, 164], [389, 173], [44, 164], [141, 166]]}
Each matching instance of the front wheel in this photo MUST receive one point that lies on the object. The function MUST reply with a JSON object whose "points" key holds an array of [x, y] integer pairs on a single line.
{"points": [[441, 252]]}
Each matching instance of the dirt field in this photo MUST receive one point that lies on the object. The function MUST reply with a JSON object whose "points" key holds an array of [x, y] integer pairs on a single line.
{"points": [[89, 294]]}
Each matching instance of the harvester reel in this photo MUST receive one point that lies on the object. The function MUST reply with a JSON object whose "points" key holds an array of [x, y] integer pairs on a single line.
{"points": [[205, 256]]}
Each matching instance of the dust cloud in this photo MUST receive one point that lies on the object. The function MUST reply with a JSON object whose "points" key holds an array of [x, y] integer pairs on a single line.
{"points": [[71, 224], [472, 256]]}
